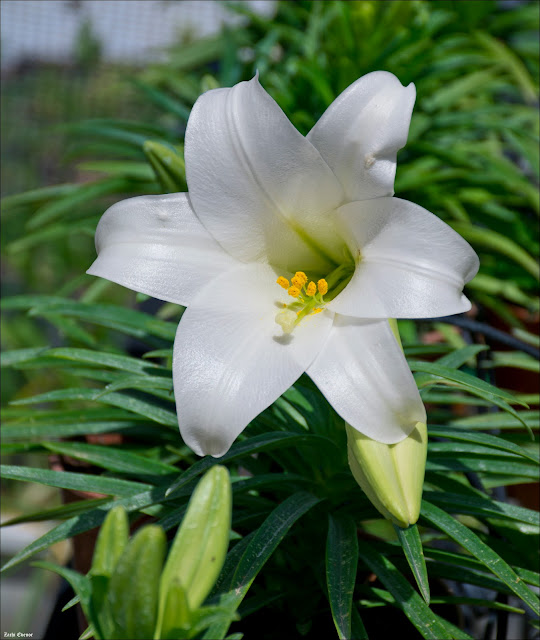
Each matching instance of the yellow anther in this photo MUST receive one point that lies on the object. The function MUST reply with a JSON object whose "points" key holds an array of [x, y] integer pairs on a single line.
{"points": [[294, 292], [311, 289], [283, 282], [297, 282], [317, 310], [322, 286], [301, 277]]}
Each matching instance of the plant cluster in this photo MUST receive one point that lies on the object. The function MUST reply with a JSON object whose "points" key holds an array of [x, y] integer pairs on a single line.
{"points": [[308, 552]]}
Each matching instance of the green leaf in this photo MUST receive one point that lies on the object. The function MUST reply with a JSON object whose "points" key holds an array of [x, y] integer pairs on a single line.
{"points": [[386, 598], [499, 243], [161, 387], [52, 234], [341, 567], [487, 466], [516, 360], [472, 543], [498, 421], [263, 442], [405, 596], [412, 547], [85, 522], [260, 548], [485, 439], [44, 430], [112, 458], [75, 481], [36, 196], [10, 358], [57, 513], [81, 586], [119, 168], [358, 631], [146, 498], [104, 359], [443, 449], [71, 329], [470, 383], [132, 403], [482, 507], [128, 321], [86, 192], [459, 357], [509, 61], [467, 381]]}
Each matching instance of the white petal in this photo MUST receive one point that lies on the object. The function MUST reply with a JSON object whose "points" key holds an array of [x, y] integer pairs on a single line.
{"points": [[361, 132], [412, 264], [364, 375], [156, 245], [231, 360], [257, 184]]}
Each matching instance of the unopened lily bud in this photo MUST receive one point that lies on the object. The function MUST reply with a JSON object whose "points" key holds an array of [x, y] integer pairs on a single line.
{"points": [[198, 550], [168, 165], [391, 475]]}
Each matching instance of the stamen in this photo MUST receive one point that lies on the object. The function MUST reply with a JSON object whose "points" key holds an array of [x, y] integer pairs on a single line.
{"points": [[311, 289], [293, 291], [309, 295]]}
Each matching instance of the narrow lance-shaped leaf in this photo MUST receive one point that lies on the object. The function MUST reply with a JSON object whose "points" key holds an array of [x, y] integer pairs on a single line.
{"points": [[429, 626], [260, 548], [412, 547], [341, 566], [470, 541], [77, 481]]}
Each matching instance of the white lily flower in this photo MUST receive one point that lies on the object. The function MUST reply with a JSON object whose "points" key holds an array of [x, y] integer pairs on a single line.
{"points": [[316, 214]]}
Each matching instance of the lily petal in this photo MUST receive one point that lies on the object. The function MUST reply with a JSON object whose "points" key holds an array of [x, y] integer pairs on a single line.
{"points": [[258, 186], [364, 375], [411, 264], [231, 361], [361, 132], [156, 245]]}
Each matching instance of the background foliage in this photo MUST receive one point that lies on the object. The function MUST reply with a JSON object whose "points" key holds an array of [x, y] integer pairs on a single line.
{"points": [[88, 362]]}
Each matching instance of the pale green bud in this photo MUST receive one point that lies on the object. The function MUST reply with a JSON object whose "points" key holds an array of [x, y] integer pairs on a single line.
{"points": [[112, 540], [391, 475], [198, 550], [168, 165], [132, 596]]}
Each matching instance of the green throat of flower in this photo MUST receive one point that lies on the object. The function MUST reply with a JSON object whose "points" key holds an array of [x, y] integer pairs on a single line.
{"points": [[310, 296]]}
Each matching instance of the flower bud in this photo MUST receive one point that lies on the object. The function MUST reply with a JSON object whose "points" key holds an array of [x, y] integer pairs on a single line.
{"points": [[168, 165], [198, 551], [391, 475]]}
